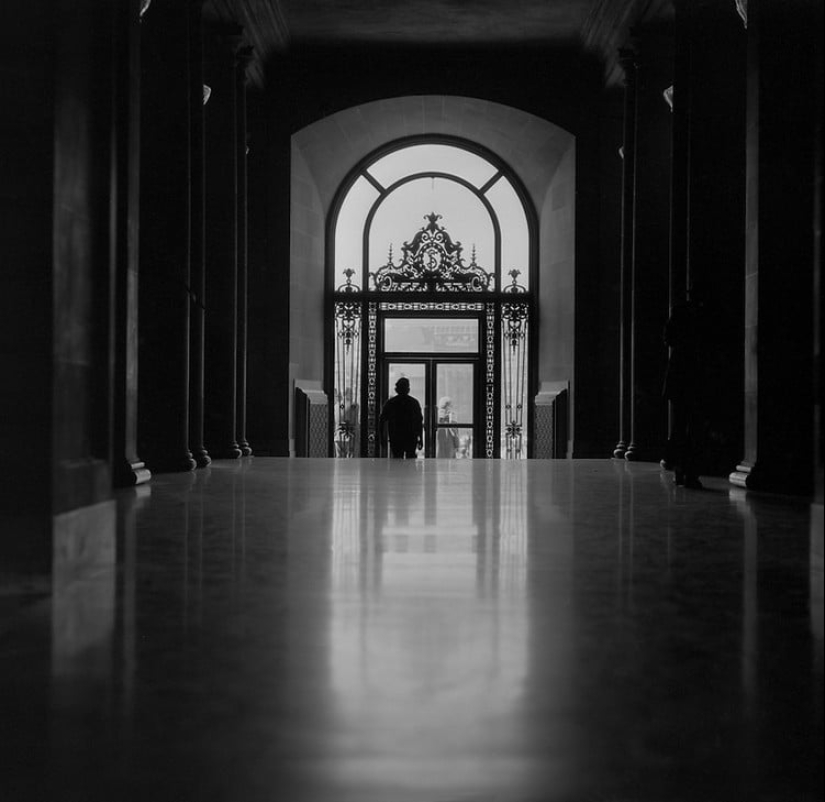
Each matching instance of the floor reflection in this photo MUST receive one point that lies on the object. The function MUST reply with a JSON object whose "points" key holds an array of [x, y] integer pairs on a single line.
{"points": [[428, 631], [384, 631]]}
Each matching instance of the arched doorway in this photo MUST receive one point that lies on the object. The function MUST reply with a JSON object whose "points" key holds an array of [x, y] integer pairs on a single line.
{"points": [[449, 304]]}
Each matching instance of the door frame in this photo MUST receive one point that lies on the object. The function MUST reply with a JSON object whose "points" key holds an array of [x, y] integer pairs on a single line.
{"points": [[430, 359], [429, 403]]}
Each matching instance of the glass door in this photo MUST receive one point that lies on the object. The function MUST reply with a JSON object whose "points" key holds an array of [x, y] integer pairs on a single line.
{"points": [[419, 375], [454, 393], [439, 355], [446, 390]]}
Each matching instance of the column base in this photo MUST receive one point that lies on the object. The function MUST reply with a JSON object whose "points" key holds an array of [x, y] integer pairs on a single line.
{"points": [[741, 476], [775, 479], [246, 449], [620, 450], [130, 474], [202, 458]]}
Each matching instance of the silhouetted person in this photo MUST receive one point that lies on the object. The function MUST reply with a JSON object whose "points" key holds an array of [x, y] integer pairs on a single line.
{"points": [[684, 386], [404, 421]]}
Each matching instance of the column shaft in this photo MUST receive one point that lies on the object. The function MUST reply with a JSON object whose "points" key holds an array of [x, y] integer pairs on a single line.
{"points": [[650, 247], [779, 337], [221, 258], [626, 292], [163, 422], [198, 275], [128, 468], [707, 216], [268, 185], [241, 143]]}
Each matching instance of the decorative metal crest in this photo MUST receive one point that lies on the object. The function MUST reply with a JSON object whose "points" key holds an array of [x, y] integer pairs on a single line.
{"points": [[432, 262]]}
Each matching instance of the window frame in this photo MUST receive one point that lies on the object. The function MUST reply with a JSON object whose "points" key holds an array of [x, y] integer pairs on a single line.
{"points": [[497, 296]]}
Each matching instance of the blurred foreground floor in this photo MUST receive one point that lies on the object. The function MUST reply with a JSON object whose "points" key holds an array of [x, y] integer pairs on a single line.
{"points": [[277, 630]]}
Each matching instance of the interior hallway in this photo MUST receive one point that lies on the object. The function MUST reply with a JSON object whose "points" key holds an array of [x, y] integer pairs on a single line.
{"points": [[384, 631]]}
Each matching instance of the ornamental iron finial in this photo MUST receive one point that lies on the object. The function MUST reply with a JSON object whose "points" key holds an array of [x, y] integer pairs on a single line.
{"points": [[348, 286], [514, 287]]}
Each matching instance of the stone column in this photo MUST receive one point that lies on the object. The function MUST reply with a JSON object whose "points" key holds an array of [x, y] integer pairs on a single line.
{"points": [[163, 412], [707, 212], [220, 419], [628, 61], [779, 255], [127, 468], [649, 275], [819, 212], [268, 187], [198, 96], [680, 167], [680, 150], [244, 57]]}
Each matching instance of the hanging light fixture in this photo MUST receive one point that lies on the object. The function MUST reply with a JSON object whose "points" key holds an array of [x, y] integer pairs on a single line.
{"points": [[144, 6], [207, 93], [668, 96]]}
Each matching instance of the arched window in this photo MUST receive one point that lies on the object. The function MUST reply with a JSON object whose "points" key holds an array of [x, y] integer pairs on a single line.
{"points": [[432, 270]]}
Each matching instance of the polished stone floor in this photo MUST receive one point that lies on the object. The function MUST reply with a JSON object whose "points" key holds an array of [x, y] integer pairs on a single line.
{"points": [[277, 630]]}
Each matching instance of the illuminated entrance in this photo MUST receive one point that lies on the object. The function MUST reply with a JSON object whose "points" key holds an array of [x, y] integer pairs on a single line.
{"points": [[457, 324]]}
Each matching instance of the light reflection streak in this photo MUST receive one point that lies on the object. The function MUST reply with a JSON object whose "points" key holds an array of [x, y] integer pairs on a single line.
{"points": [[428, 632]]}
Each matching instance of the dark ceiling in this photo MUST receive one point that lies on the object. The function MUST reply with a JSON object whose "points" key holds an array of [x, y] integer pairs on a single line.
{"points": [[435, 21], [596, 26]]}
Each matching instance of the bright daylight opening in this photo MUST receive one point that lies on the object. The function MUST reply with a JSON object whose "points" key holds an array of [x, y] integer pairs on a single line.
{"points": [[431, 280]]}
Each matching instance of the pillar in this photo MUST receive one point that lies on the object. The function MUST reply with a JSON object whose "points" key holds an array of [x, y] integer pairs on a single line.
{"points": [[707, 211], [268, 187], [628, 61], [649, 274], [58, 205], [128, 468], [198, 95], [817, 287], [221, 300], [779, 253], [244, 57], [163, 412]]}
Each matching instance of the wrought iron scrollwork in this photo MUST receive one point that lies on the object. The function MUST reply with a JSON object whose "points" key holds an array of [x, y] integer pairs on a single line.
{"points": [[432, 262], [348, 315], [515, 318]]}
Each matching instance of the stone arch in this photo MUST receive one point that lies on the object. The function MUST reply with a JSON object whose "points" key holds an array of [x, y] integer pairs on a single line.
{"points": [[540, 153]]}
